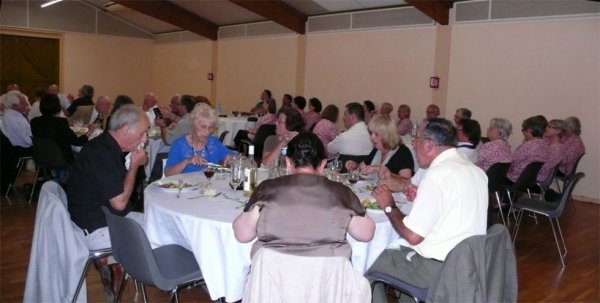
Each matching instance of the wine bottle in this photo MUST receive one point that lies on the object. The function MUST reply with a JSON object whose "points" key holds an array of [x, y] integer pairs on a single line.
{"points": [[250, 171]]}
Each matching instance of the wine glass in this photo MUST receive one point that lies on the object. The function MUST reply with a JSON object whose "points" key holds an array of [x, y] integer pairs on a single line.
{"points": [[237, 175], [353, 177], [209, 172]]}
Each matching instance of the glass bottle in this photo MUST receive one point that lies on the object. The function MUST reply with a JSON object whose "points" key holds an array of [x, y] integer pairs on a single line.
{"points": [[250, 171]]}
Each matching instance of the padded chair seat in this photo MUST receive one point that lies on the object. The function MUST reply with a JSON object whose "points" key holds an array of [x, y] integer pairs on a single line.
{"points": [[419, 292], [536, 204]]}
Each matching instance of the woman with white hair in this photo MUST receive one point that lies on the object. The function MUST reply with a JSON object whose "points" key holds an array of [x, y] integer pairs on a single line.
{"points": [[497, 149], [573, 145], [189, 153]]}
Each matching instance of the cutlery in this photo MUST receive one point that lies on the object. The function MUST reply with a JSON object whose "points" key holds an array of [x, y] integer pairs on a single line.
{"points": [[196, 197], [180, 187]]}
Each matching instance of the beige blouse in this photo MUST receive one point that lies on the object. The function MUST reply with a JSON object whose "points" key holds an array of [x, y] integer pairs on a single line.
{"points": [[305, 215]]}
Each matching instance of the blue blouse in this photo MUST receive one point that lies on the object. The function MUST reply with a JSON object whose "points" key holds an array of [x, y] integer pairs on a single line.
{"points": [[214, 152]]}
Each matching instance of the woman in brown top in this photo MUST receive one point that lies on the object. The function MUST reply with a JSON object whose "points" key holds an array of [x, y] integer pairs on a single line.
{"points": [[304, 213]]}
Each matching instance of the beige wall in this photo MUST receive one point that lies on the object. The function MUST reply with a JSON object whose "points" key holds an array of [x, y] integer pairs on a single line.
{"points": [[384, 66], [182, 69], [248, 66], [113, 65], [516, 70]]}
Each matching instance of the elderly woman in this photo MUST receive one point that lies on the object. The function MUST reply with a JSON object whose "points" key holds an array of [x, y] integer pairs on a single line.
{"points": [[289, 124], [574, 147], [533, 148], [325, 129], [497, 148], [312, 116], [555, 149], [190, 152], [302, 214], [389, 150]]}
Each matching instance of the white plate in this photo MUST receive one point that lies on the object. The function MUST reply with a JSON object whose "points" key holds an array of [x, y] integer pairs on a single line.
{"points": [[158, 185], [374, 211]]}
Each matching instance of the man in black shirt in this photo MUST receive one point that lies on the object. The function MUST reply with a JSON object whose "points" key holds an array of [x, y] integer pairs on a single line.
{"points": [[100, 176]]}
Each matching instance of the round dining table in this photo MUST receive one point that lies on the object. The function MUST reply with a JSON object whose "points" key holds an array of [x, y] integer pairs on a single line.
{"points": [[233, 125], [203, 225]]}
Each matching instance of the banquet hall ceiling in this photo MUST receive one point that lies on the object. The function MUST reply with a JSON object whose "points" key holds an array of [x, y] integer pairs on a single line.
{"points": [[204, 17]]}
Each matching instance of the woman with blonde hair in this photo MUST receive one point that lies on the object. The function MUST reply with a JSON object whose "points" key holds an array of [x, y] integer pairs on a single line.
{"points": [[389, 151], [189, 153]]}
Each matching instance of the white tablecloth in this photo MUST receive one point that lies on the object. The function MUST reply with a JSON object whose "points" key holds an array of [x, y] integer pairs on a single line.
{"points": [[203, 225], [233, 125]]}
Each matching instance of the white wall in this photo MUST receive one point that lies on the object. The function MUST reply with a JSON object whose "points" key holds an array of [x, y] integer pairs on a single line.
{"points": [[520, 69]]}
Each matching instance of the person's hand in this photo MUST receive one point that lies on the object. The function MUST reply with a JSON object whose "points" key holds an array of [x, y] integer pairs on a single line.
{"points": [[383, 195], [138, 156], [368, 169], [195, 160], [411, 192], [160, 122], [350, 164], [384, 173], [91, 129], [228, 160], [394, 182], [70, 98]]}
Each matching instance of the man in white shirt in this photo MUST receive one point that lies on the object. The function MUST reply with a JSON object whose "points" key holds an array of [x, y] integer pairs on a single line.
{"points": [[65, 102], [15, 125], [148, 106], [449, 205], [356, 140], [468, 133]]}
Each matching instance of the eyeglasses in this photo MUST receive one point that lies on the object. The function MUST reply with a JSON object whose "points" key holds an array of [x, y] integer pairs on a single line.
{"points": [[415, 138]]}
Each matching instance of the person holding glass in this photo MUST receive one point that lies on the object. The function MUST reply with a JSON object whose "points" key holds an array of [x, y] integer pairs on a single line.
{"points": [[389, 152], [301, 214], [190, 153]]}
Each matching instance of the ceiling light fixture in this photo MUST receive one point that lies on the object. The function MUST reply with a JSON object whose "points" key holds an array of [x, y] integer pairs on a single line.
{"points": [[49, 3]]}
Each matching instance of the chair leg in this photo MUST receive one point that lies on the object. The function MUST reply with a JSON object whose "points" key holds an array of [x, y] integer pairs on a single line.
{"points": [[500, 208], [517, 224], [510, 199], [560, 252], [81, 279], [121, 287], [11, 185], [144, 296], [37, 173]]}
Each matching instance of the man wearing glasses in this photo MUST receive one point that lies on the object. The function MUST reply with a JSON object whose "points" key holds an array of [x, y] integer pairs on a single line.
{"points": [[449, 205]]}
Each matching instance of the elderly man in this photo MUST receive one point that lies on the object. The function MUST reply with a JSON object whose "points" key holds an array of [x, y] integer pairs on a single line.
{"points": [[15, 125], [184, 126], [85, 95], [100, 177], [433, 111], [449, 205], [149, 104], [101, 111], [356, 140], [65, 101], [461, 113]]}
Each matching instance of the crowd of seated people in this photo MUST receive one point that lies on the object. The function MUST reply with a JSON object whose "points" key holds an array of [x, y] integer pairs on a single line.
{"points": [[454, 154]]}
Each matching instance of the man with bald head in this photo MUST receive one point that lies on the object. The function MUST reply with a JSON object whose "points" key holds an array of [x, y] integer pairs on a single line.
{"points": [[101, 111], [65, 102], [148, 106]]}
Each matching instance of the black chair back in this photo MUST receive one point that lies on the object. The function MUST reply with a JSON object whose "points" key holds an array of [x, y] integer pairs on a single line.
{"points": [[574, 169], [528, 177], [261, 135], [223, 135], [46, 153], [571, 181], [497, 176]]}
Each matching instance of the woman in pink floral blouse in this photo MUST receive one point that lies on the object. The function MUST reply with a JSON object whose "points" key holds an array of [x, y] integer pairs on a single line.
{"points": [[325, 129], [533, 148], [556, 150], [497, 149], [574, 147]]}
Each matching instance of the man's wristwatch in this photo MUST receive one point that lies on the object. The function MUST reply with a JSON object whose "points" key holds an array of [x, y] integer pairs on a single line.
{"points": [[388, 209]]}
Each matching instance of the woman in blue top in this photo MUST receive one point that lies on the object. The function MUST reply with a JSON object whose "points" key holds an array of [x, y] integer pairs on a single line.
{"points": [[189, 153]]}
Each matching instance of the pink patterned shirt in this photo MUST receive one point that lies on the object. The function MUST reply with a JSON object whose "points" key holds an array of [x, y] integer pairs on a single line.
{"points": [[404, 126], [326, 131], [555, 155], [534, 150], [267, 119], [573, 149], [492, 152]]}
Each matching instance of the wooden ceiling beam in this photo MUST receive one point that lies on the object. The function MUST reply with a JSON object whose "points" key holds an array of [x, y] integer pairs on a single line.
{"points": [[277, 11], [168, 12], [435, 9]]}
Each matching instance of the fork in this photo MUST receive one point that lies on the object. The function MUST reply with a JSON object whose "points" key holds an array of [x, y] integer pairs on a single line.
{"points": [[179, 188]]}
